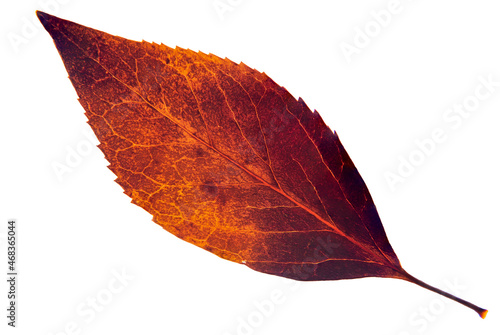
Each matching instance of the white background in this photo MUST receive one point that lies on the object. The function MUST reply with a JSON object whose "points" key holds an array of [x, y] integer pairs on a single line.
{"points": [[442, 220]]}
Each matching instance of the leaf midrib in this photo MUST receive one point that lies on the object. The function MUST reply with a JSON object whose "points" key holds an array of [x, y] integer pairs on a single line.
{"points": [[250, 173]]}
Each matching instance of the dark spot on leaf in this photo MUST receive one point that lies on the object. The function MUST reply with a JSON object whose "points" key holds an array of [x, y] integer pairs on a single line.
{"points": [[200, 152], [210, 188]]}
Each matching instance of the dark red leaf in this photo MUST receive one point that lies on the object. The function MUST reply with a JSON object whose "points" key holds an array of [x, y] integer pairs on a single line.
{"points": [[226, 159]]}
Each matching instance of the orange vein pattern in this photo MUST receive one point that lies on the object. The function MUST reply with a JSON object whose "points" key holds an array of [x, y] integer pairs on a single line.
{"points": [[226, 159]]}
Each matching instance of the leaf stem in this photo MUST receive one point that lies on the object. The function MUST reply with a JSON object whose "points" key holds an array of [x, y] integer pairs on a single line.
{"points": [[482, 312]]}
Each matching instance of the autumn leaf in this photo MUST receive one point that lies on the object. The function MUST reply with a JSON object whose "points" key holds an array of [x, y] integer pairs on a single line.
{"points": [[224, 158]]}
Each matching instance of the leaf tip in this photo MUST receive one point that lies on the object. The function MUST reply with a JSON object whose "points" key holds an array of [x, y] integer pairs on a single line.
{"points": [[43, 17], [48, 21], [39, 13]]}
